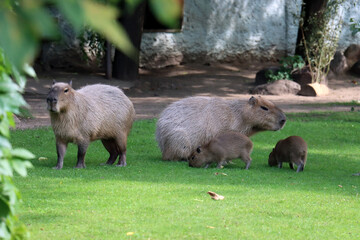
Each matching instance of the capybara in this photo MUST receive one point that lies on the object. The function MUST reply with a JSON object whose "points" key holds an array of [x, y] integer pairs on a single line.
{"points": [[221, 149], [194, 121], [292, 150], [88, 114]]}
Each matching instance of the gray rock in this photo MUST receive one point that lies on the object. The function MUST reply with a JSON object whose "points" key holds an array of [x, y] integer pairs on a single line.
{"points": [[339, 64], [280, 87], [352, 54]]}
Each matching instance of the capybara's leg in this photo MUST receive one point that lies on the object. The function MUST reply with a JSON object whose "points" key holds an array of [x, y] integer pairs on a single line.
{"points": [[280, 165], [247, 160], [61, 150], [121, 147], [221, 163], [110, 146], [300, 167], [82, 147], [291, 165]]}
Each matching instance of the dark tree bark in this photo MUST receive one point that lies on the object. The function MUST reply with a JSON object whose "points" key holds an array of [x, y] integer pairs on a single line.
{"points": [[125, 68], [308, 9]]}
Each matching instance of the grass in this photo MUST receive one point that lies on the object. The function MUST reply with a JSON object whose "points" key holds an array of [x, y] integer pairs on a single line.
{"points": [[153, 199]]}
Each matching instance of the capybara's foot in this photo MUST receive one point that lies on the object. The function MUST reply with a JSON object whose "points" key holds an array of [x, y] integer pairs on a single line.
{"points": [[57, 167], [121, 164], [80, 166]]}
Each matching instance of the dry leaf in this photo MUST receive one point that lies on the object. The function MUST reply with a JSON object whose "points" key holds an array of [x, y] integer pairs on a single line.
{"points": [[221, 173], [340, 186], [129, 233], [42, 158], [215, 196], [210, 227]]}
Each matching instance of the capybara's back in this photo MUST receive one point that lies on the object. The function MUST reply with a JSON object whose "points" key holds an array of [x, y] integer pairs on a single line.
{"points": [[194, 121]]}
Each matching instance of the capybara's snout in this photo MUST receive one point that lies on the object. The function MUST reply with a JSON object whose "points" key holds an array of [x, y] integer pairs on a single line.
{"points": [[282, 120]]}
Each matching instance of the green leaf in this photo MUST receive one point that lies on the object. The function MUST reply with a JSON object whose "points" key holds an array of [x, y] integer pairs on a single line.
{"points": [[4, 208], [103, 19], [4, 126], [17, 39], [29, 70], [4, 142], [4, 232], [21, 166], [22, 153], [74, 12], [5, 168], [166, 11]]}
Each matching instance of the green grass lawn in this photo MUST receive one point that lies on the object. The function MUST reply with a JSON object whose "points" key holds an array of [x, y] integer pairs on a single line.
{"points": [[153, 199]]}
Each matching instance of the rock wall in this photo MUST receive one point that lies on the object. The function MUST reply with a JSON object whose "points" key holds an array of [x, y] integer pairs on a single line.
{"points": [[226, 30]]}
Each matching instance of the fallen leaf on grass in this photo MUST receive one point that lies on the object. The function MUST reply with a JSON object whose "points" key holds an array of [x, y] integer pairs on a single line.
{"points": [[129, 233], [198, 200], [42, 158], [220, 173], [210, 227], [340, 186], [215, 196]]}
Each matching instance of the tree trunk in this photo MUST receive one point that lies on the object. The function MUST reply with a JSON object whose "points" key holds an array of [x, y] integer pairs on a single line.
{"points": [[125, 68], [308, 9]]}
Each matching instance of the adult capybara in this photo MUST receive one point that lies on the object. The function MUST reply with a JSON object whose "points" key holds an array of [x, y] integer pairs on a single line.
{"points": [[194, 121], [221, 149], [88, 114], [292, 150]]}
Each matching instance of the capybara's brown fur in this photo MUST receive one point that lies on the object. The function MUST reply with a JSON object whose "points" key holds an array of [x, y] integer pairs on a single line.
{"points": [[223, 148], [194, 121], [91, 113], [292, 150]]}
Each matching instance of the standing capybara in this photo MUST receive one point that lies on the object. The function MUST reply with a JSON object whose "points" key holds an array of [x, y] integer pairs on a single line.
{"points": [[221, 149], [88, 114], [292, 150], [194, 121]]}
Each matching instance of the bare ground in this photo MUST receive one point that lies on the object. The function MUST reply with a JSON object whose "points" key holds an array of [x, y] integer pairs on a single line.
{"points": [[158, 88]]}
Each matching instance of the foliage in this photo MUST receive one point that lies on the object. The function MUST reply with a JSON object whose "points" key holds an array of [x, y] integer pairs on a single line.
{"points": [[11, 160], [354, 26], [155, 199], [289, 64], [320, 38], [23, 24]]}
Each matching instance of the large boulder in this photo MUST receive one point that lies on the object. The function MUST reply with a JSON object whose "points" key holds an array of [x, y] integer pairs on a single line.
{"points": [[280, 87], [352, 54], [339, 63]]}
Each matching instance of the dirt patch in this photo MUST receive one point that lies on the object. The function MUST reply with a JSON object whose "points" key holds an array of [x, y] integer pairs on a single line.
{"points": [[158, 88]]}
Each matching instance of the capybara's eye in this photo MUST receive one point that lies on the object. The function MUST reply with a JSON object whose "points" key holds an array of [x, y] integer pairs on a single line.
{"points": [[66, 90], [264, 108]]}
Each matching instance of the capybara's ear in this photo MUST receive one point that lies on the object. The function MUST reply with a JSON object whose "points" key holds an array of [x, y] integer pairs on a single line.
{"points": [[54, 81], [252, 100], [198, 150], [70, 83]]}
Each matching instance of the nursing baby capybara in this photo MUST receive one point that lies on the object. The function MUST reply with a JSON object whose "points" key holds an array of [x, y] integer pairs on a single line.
{"points": [[223, 148], [194, 121], [292, 150], [91, 113]]}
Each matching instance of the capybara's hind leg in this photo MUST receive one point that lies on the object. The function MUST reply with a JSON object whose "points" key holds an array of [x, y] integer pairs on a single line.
{"points": [[81, 155], [247, 160], [111, 147], [121, 148], [291, 165]]}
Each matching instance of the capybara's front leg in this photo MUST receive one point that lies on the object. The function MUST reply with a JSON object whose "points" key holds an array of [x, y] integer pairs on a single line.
{"points": [[279, 164], [300, 167], [81, 155], [61, 150]]}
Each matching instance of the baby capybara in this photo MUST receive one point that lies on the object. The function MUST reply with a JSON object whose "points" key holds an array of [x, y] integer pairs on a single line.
{"points": [[292, 150], [221, 149]]}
